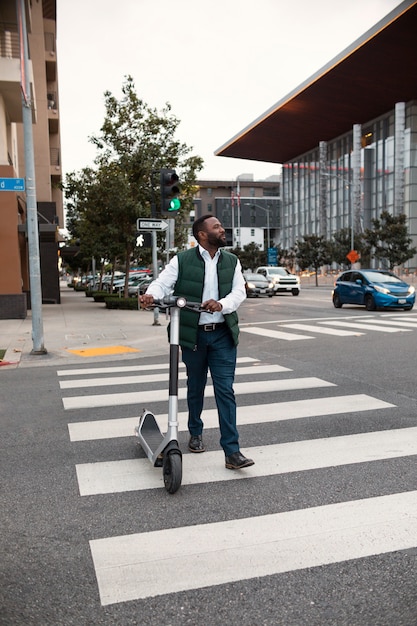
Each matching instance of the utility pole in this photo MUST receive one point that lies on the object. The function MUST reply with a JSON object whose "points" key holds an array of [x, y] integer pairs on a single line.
{"points": [[31, 205]]}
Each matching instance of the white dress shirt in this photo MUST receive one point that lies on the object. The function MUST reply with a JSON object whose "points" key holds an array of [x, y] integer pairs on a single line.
{"points": [[164, 284]]}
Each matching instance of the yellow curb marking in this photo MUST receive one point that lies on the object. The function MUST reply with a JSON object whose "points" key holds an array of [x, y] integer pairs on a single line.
{"points": [[103, 351]]}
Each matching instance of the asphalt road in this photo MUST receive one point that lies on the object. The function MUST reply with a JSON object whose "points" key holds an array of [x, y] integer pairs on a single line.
{"points": [[321, 531]]}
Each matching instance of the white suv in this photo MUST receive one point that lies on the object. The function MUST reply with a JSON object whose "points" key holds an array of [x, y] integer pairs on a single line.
{"points": [[282, 279]]}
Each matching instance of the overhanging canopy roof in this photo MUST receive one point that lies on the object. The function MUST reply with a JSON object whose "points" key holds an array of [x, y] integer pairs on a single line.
{"points": [[363, 82]]}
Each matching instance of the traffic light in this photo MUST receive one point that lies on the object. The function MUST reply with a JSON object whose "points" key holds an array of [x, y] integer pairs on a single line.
{"points": [[170, 190]]}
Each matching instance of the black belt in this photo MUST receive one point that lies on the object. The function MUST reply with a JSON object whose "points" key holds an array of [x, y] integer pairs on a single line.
{"points": [[210, 327]]}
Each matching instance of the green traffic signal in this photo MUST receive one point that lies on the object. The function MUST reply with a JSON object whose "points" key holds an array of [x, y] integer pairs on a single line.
{"points": [[170, 202], [175, 204]]}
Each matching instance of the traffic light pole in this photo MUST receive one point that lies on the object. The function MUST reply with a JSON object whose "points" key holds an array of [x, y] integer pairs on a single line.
{"points": [[156, 321]]}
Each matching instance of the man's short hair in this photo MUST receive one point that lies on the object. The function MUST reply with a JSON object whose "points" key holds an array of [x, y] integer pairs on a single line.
{"points": [[198, 225]]}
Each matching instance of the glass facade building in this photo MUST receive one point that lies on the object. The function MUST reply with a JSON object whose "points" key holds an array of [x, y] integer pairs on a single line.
{"points": [[319, 187]]}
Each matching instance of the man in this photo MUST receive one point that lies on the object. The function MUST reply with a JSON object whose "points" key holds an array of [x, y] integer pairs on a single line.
{"points": [[213, 277]]}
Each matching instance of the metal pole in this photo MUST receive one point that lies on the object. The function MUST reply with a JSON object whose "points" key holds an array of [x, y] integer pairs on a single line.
{"points": [[356, 180], [31, 205], [155, 275], [399, 177], [267, 226], [239, 241]]}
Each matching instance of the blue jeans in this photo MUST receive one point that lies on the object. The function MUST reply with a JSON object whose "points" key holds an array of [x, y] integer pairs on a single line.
{"points": [[215, 350]]}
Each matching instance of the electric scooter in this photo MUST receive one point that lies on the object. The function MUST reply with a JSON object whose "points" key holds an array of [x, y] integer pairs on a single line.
{"points": [[163, 450]]}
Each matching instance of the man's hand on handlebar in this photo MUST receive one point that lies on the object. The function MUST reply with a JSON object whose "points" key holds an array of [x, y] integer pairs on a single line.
{"points": [[212, 306], [145, 300]]}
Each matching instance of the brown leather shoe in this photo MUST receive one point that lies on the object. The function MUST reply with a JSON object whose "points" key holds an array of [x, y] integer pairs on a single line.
{"points": [[238, 461], [196, 444]]}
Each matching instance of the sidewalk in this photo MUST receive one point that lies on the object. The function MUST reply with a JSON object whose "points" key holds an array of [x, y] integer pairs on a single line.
{"points": [[80, 330]]}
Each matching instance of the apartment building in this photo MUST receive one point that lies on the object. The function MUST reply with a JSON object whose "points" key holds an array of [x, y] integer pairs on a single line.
{"points": [[40, 20]]}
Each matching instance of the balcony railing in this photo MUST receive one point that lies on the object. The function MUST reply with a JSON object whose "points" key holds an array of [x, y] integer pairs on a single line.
{"points": [[9, 41]]}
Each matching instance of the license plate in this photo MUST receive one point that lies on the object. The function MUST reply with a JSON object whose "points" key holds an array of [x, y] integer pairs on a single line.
{"points": [[402, 301], [262, 291]]}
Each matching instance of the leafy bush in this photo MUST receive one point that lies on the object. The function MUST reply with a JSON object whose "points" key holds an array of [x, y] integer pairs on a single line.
{"points": [[100, 295], [114, 302]]}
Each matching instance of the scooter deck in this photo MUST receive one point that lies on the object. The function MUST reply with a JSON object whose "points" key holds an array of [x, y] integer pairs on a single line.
{"points": [[149, 433]]}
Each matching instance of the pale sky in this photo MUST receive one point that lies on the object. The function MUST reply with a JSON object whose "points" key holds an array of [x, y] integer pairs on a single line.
{"points": [[220, 64]]}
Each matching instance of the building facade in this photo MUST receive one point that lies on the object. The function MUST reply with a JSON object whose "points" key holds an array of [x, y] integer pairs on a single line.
{"points": [[318, 194], [40, 20], [249, 210]]}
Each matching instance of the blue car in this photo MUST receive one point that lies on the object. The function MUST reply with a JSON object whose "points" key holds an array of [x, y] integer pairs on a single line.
{"points": [[375, 289]]}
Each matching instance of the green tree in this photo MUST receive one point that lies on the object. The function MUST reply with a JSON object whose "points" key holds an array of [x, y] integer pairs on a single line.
{"points": [[313, 252], [388, 240], [142, 141], [341, 245], [251, 256], [94, 197], [134, 143], [288, 258]]}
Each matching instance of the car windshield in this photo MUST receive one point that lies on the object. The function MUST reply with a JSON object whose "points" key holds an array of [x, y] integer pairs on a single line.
{"points": [[255, 277], [381, 277], [277, 270]]}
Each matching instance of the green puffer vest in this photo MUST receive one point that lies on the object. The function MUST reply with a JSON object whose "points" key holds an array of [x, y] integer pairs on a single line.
{"points": [[190, 282]]}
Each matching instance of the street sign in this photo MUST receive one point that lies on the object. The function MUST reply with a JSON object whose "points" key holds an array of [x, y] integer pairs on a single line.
{"points": [[12, 184], [272, 256], [149, 224], [353, 256]]}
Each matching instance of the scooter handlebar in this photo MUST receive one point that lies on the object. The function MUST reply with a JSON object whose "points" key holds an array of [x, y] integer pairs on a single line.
{"points": [[180, 302]]}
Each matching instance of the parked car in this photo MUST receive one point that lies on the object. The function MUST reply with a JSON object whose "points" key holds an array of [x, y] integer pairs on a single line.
{"points": [[134, 278], [375, 289], [281, 278], [139, 285], [257, 285]]}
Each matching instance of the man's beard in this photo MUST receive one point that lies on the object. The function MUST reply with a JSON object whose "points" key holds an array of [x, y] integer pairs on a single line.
{"points": [[217, 241]]}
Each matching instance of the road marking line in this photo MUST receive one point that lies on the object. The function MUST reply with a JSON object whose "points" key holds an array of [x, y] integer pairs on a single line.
{"points": [[324, 331], [295, 456], [148, 396], [275, 334], [362, 326], [149, 378], [133, 368], [102, 351], [155, 563], [256, 414], [390, 322]]}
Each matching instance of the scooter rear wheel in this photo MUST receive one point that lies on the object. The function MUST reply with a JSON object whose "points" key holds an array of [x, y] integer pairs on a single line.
{"points": [[172, 471]]}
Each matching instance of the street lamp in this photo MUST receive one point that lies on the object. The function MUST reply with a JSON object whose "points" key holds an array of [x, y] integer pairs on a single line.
{"points": [[267, 211]]}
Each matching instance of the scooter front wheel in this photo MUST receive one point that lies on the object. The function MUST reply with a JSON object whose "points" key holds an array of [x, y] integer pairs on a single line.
{"points": [[172, 471]]}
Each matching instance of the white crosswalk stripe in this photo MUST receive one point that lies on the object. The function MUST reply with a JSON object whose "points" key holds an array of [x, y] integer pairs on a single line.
{"points": [[128, 567], [346, 327], [283, 458], [325, 331], [147, 378], [149, 396], [254, 414]]}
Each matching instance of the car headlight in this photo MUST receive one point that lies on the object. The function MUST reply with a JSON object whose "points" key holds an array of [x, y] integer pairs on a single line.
{"points": [[381, 289], [411, 289], [251, 285], [271, 285]]}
